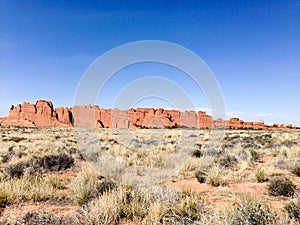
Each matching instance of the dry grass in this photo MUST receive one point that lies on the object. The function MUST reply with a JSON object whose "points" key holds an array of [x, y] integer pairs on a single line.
{"points": [[29, 188], [240, 157]]}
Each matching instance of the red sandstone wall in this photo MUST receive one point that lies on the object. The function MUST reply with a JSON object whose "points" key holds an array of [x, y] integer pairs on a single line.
{"points": [[43, 114], [39, 114]]}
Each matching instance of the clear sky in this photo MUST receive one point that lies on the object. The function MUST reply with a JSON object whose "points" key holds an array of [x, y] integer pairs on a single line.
{"points": [[253, 48]]}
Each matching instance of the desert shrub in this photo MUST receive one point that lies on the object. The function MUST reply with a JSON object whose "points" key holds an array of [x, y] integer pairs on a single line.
{"points": [[289, 143], [16, 170], [251, 211], [261, 176], [281, 186], [242, 154], [41, 217], [3, 199], [106, 209], [196, 153], [249, 142], [213, 152], [296, 169], [201, 176], [40, 165], [50, 163], [283, 163], [232, 137], [214, 176], [56, 183], [17, 139], [254, 155], [85, 187], [104, 186], [264, 139], [293, 210], [227, 161], [81, 189], [156, 205], [32, 188], [6, 156]]}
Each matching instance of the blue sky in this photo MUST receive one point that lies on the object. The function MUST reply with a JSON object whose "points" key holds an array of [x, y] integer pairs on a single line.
{"points": [[252, 47]]}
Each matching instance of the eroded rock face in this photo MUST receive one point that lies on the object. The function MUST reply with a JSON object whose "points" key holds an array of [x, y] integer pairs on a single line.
{"points": [[39, 114], [43, 114], [205, 121]]}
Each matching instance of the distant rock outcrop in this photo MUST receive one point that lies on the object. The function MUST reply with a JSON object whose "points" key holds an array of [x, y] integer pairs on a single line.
{"points": [[39, 114], [43, 114]]}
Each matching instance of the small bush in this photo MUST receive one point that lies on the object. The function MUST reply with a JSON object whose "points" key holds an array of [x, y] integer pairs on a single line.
{"points": [[29, 188], [3, 199], [85, 187], [56, 183], [254, 156], [157, 205], [49, 163], [251, 211], [197, 153], [104, 186], [214, 176], [261, 176], [38, 218], [228, 161], [40, 165], [16, 170], [281, 186], [201, 176], [296, 169], [293, 210], [82, 188], [17, 139]]}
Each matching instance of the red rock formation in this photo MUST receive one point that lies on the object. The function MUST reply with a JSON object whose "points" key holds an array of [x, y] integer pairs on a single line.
{"points": [[39, 114], [83, 116], [64, 116], [248, 125], [43, 114], [219, 123], [205, 121], [236, 123], [189, 119], [259, 125]]}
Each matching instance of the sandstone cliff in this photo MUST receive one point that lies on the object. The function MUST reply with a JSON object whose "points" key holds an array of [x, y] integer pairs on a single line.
{"points": [[43, 114]]}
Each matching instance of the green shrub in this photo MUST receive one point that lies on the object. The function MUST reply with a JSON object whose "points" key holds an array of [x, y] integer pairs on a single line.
{"points": [[293, 210], [201, 176], [252, 212], [281, 186], [296, 169]]}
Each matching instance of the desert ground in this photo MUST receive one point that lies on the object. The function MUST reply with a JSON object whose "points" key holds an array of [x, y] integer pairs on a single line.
{"points": [[54, 175]]}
